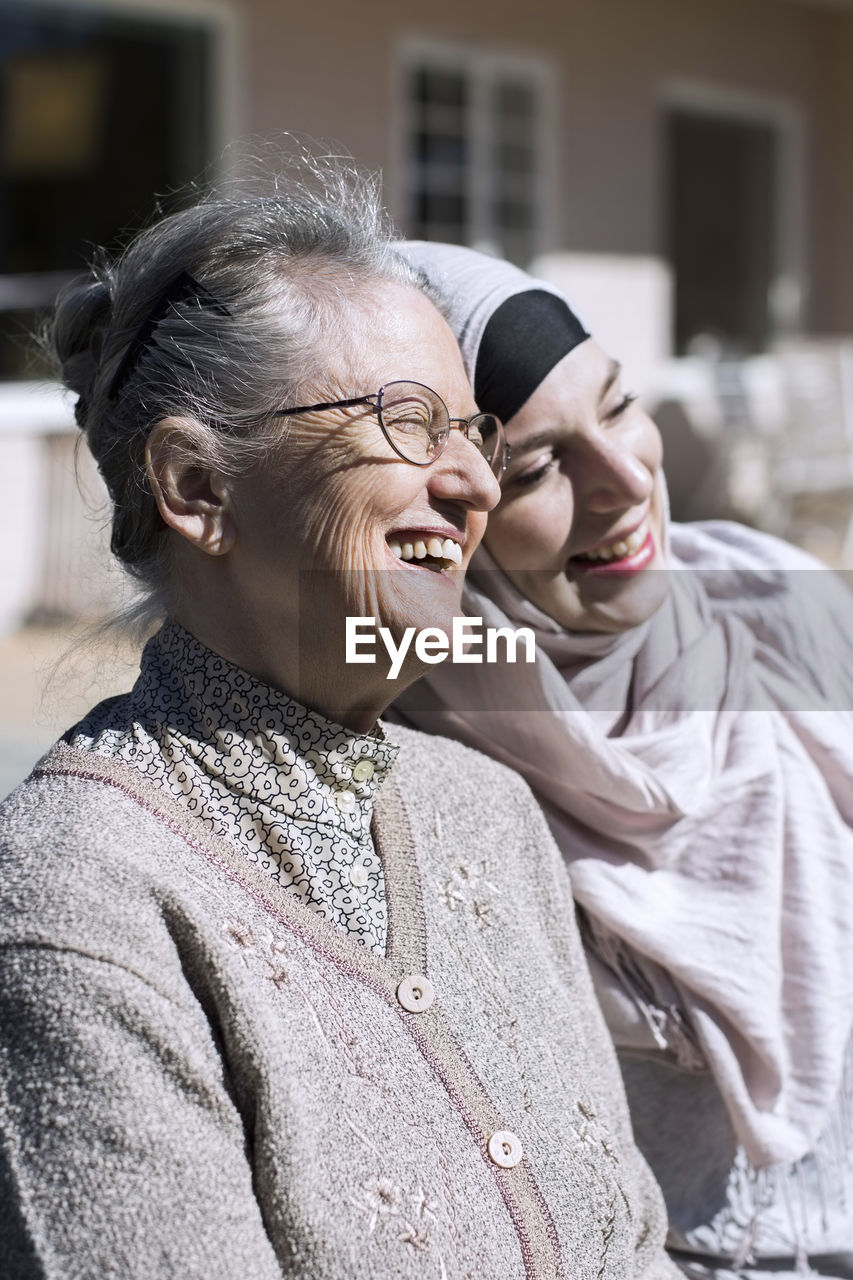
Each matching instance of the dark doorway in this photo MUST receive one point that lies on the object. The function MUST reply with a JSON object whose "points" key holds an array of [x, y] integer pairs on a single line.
{"points": [[101, 112], [722, 228]]}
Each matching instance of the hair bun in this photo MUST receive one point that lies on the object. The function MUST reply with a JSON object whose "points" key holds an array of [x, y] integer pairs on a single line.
{"points": [[81, 316]]}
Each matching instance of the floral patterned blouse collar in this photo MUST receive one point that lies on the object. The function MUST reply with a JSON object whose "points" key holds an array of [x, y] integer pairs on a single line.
{"points": [[257, 740]]}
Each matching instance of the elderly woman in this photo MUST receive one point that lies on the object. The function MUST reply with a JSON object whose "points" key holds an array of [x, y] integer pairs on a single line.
{"points": [[690, 736], [270, 1000]]}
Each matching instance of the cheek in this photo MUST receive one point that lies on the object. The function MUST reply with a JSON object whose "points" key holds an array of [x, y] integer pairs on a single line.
{"points": [[477, 527], [344, 517], [531, 533], [321, 487], [648, 444], [337, 528]]}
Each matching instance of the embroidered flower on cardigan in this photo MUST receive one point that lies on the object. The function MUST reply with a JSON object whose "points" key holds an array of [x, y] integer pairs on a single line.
{"points": [[409, 1213], [266, 947], [468, 888]]}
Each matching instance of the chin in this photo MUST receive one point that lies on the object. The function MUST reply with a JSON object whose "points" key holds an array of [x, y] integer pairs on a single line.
{"points": [[418, 598], [627, 608]]}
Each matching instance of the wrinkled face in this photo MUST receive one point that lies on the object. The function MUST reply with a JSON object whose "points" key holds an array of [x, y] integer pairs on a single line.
{"points": [[579, 529], [338, 524]]}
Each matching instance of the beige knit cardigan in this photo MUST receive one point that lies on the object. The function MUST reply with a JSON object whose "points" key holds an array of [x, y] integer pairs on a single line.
{"points": [[201, 1078]]}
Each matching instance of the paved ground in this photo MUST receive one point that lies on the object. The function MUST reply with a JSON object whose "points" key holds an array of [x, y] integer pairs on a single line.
{"points": [[47, 681]]}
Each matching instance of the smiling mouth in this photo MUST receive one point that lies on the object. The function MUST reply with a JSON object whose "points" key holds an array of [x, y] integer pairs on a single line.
{"points": [[625, 555], [437, 554]]}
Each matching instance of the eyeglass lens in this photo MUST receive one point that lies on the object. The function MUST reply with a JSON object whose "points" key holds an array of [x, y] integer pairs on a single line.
{"points": [[417, 424], [486, 432], [414, 419]]}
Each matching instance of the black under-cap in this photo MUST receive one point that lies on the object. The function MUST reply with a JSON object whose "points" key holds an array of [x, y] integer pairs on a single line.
{"points": [[526, 336]]}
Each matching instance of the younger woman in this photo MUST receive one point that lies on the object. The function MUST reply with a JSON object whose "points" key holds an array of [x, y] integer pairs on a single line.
{"points": [[687, 728]]}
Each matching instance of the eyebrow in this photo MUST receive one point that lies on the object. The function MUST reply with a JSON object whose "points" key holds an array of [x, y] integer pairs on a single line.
{"points": [[614, 368], [546, 435], [533, 442]]}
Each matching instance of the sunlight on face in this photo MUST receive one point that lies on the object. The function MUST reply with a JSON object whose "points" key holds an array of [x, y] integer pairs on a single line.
{"points": [[318, 524], [580, 526]]}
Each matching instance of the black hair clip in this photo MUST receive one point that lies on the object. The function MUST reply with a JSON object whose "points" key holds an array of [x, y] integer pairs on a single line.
{"points": [[184, 288]]}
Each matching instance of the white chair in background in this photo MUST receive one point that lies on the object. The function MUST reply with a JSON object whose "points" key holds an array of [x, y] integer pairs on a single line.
{"points": [[813, 463]]}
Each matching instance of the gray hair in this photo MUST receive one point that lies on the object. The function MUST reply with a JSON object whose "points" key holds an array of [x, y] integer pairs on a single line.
{"points": [[266, 282]]}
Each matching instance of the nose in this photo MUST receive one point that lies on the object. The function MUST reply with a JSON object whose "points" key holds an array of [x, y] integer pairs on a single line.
{"points": [[608, 477], [462, 474]]}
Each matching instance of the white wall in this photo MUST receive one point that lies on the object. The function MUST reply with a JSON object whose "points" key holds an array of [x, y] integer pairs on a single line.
{"points": [[625, 301]]}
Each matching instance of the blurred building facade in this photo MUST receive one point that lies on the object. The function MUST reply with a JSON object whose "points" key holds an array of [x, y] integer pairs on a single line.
{"points": [[682, 166]]}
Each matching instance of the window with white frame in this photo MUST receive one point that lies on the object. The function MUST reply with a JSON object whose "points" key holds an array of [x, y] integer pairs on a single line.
{"points": [[475, 148]]}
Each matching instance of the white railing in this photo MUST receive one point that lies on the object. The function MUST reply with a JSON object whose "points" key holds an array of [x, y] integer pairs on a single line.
{"points": [[54, 543]]}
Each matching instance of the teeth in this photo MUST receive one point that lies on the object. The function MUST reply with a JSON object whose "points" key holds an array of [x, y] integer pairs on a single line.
{"points": [[451, 550], [435, 548], [624, 547]]}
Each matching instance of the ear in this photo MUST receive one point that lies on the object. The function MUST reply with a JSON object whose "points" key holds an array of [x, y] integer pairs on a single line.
{"points": [[193, 498]]}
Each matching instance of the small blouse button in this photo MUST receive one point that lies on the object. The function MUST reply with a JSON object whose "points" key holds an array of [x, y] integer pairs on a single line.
{"points": [[359, 875], [505, 1149], [345, 800], [364, 770], [416, 993]]}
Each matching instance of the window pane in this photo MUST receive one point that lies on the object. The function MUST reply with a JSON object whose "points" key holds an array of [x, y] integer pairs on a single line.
{"points": [[514, 215], [514, 160], [441, 148], [514, 99], [433, 207], [438, 154], [440, 87]]}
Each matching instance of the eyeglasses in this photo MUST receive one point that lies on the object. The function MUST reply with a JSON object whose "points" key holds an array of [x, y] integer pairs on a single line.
{"points": [[417, 424]]}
